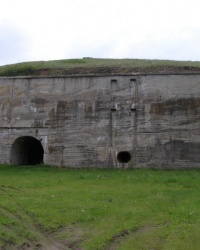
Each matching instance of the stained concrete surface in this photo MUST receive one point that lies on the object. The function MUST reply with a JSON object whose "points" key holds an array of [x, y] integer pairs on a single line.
{"points": [[86, 121]]}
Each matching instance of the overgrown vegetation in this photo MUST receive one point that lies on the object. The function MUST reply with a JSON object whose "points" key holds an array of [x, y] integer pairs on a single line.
{"points": [[99, 209], [100, 66]]}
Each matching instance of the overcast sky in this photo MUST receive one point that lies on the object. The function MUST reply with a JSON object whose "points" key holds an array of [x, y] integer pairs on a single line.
{"points": [[60, 29]]}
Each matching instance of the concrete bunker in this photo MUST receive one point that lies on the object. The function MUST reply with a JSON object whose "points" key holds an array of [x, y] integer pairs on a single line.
{"points": [[154, 123], [26, 150], [124, 157]]}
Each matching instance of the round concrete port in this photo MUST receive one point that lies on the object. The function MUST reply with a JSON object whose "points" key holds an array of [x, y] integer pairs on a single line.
{"points": [[123, 157], [26, 150]]}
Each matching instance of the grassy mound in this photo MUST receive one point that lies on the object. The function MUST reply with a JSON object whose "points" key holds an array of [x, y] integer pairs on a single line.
{"points": [[98, 66]]}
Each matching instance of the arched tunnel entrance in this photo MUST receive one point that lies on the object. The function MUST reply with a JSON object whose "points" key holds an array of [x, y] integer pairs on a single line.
{"points": [[26, 150]]}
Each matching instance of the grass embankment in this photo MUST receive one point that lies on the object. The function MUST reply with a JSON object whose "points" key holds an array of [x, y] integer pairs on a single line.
{"points": [[99, 209], [98, 66]]}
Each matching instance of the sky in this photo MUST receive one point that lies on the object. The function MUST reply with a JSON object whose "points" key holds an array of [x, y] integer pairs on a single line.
{"points": [[43, 30]]}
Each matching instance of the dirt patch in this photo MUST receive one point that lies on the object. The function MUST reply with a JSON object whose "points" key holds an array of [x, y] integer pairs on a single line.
{"points": [[49, 243], [117, 240], [67, 238], [36, 246], [71, 236]]}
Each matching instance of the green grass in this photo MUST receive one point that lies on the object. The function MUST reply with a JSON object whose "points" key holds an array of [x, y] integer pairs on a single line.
{"points": [[94, 65], [100, 209]]}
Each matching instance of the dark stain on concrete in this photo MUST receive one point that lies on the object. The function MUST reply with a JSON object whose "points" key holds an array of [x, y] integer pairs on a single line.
{"points": [[39, 102], [170, 106], [181, 150]]}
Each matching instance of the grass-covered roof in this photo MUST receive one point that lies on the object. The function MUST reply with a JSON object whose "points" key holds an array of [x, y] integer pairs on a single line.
{"points": [[98, 66]]}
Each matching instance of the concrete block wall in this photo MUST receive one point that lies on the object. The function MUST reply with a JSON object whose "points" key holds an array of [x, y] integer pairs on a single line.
{"points": [[104, 121]]}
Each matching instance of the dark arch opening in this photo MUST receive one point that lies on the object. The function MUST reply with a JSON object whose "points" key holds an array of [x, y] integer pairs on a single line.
{"points": [[124, 157], [26, 150]]}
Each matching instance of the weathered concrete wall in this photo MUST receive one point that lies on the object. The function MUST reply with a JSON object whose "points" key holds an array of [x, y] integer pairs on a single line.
{"points": [[87, 121], [168, 121]]}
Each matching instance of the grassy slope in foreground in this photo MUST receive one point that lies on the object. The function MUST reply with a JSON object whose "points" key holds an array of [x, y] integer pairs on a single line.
{"points": [[99, 209], [98, 66]]}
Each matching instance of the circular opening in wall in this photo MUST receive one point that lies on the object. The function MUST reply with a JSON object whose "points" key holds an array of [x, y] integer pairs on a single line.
{"points": [[26, 150], [124, 157]]}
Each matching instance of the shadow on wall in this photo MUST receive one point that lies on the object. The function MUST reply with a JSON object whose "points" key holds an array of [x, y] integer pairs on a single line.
{"points": [[26, 150]]}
